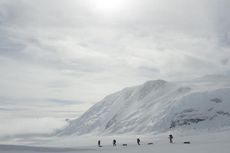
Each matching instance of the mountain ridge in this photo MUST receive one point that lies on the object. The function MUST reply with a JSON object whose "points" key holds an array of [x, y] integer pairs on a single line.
{"points": [[158, 106]]}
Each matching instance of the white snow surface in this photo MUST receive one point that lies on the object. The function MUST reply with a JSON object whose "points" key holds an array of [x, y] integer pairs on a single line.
{"points": [[158, 106], [213, 142]]}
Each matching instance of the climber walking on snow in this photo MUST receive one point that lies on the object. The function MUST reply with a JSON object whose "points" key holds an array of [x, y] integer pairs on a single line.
{"points": [[99, 143], [138, 141], [171, 138], [114, 142]]}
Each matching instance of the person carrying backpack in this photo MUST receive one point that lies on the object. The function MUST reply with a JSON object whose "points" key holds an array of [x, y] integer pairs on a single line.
{"points": [[99, 143], [138, 141], [171, 138], [114, 142]]}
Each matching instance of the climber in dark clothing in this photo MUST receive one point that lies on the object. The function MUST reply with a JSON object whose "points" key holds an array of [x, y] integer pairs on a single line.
{"points": [[171, 138], [99, 143], [138, 141], [114, 142]]}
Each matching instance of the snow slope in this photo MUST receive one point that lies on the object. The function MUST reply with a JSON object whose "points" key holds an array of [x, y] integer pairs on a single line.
{"points": [[159, 106]]}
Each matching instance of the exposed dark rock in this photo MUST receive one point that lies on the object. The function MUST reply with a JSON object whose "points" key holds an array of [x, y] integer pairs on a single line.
{"points": [[210, 109], [111, 122], [223, 113], [184, 89], [214, 116], [217, 100], [183, 122], [186, 111]]}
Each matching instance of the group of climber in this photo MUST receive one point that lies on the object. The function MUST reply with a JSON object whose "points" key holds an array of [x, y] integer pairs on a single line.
{"points": [[138, 141]]}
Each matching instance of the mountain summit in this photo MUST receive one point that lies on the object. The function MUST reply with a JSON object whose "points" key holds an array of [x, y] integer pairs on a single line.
{"points": [[158, 106]]}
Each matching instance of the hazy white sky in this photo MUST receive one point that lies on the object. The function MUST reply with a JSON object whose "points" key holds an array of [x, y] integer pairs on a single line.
{"points": [[78, 51]]}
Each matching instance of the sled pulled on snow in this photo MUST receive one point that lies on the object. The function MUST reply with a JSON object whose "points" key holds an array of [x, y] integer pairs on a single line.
{"points": [[150, 143]]}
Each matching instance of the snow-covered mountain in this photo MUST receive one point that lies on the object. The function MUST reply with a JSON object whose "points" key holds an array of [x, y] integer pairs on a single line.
{"points": [[158, 106]]}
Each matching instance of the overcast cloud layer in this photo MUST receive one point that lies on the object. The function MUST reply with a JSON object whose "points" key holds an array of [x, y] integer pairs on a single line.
{"points": [[54, 49], [79, 51]]}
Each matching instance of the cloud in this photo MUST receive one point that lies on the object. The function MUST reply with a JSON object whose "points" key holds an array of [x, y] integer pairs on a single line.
{"points": [[19, 126], [36, 116], [73, 42]]}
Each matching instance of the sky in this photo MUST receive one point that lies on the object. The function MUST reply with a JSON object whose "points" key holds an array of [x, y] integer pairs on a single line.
{"points": [[60, 55]]}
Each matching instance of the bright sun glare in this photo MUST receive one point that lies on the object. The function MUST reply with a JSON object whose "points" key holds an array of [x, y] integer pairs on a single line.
{"points": [[107, 6]]}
